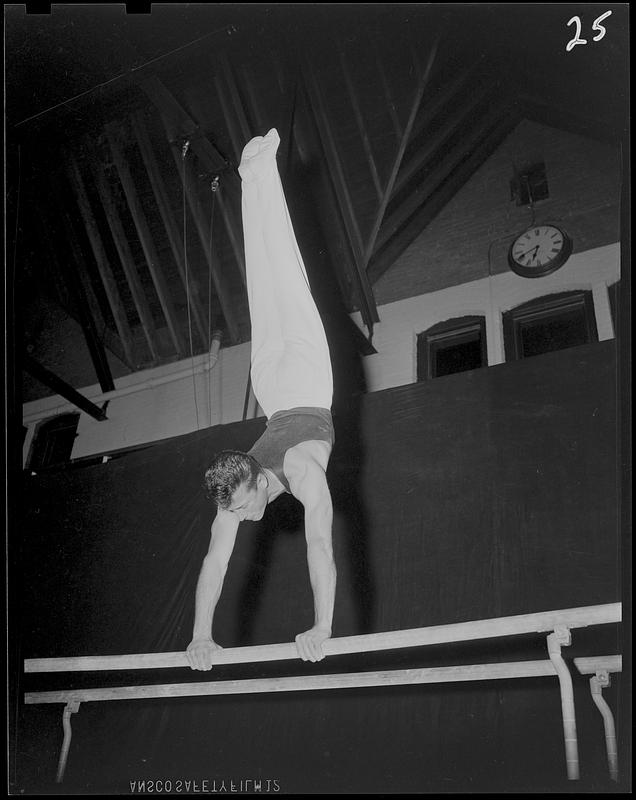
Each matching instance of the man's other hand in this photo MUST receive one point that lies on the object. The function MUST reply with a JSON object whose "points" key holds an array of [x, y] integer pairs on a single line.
{"points": [[309, 644], [200, 653]]}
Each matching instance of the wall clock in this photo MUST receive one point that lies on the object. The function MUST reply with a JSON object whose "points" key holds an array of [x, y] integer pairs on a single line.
{"points": [[540, 250]]}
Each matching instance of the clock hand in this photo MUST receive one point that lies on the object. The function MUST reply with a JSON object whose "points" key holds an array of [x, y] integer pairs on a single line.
{"points": [[535, 248]]}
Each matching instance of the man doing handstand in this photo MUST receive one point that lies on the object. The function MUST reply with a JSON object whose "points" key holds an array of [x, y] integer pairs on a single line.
{"points": [[292, 381]]}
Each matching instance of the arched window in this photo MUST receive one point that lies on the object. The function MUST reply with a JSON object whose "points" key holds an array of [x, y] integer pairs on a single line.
{"points": [[455, 345], [553, 322], [53, 442]]}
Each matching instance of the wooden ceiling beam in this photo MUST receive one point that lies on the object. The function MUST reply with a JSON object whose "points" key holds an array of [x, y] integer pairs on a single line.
{"points": [[435, 178], [458, 120], [233, 111], [153, 263], [125, 256], [190, 284], [71, 279], [236, 239], [101, 259], [240, 133], [62, 388], [368, 307], [568, 119], [230, 81], [334, 162], [255, 111], [284, 109], [80, 272], [388, 96], [457, 172], [443, 96], [43, 250], [362, 129], [397, 162], [228, 117]]}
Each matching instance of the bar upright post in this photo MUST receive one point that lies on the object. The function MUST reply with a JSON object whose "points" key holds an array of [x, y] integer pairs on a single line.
{"points": [[561, 636], [597, 683], [71, 708]]}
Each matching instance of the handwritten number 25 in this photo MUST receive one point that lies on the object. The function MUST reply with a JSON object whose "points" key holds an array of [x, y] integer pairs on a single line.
{"points": [[596, 26]]}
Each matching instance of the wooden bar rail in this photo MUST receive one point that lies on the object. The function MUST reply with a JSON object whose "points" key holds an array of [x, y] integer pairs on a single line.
{"points": [[415, 637], [594, 664], [345, 680]]}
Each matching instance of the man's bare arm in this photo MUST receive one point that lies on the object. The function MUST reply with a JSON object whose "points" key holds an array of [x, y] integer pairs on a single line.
{"points": [[307, 476], [209, 587]]}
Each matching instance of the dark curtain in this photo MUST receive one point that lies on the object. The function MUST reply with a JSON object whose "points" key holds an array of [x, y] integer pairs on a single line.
{"points": [[482, 494]]}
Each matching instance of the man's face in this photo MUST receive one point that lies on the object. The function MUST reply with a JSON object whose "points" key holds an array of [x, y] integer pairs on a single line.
{"points": [[249, 503]]}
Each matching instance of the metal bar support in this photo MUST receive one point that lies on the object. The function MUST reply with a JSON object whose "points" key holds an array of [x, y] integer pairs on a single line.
{"points": [[597, 683], [71, 708], [561, 637]]}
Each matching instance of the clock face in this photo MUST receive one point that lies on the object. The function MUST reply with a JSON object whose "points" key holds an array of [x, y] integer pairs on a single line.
{"points": [[540, 250]]}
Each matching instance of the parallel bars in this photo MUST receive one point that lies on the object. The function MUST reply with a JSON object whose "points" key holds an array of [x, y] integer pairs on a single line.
{"points": [[557, 622]]}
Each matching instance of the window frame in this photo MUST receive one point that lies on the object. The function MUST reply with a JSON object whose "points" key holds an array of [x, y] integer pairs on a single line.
{"points": [[49, 428], [429, 341], [546, 307]]}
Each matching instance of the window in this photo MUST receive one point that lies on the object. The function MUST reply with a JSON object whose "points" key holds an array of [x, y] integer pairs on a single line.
{"points": [[455, 345], [549, 323], [53, 441]]}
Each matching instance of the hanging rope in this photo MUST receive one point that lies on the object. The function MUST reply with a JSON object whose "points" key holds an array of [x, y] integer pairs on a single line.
{"points": [[184, 153], [214, 186]]}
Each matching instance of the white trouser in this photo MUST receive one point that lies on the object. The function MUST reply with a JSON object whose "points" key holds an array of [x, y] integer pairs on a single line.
{"points": [[290, 363]]}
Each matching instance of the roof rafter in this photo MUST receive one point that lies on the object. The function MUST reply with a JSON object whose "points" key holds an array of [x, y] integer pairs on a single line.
{"points": [[355, 105], [103, 266], [153, 263], [397, 163], [62, 388], [368, 307], [445, 183], [84, 303], [125, 255], [452, 122], [169, 222]]}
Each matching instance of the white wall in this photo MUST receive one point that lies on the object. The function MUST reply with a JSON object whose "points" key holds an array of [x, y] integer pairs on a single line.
{"points": [[155, 404], [145, 412], [395, 336]]}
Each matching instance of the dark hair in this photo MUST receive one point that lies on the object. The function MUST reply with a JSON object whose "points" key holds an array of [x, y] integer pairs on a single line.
{"points": [[228, 470]]}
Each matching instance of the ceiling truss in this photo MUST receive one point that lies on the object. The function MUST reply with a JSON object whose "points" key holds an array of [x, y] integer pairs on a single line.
{"points": [[154, 228]]}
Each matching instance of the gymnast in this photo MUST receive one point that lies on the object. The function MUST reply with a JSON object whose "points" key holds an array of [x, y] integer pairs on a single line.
{"points": [[292, 381]]}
